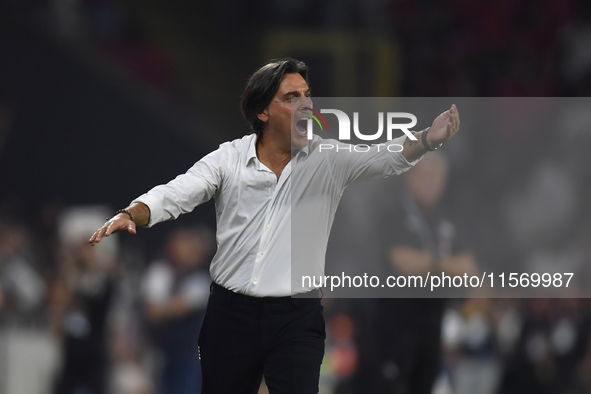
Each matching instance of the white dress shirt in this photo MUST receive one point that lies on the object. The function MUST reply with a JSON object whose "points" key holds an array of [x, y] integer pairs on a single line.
{"points": [[258, 213]]}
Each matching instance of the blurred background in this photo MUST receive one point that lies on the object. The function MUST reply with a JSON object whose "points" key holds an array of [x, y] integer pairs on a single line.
{"points": [[102, 99]]}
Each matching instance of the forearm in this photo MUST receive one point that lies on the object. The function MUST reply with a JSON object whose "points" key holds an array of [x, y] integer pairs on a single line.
{"points": [[412, 150]]}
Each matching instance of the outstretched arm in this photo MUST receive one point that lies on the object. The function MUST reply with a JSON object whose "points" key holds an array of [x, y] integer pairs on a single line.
{"points": [[444, 127], [122, 222], [166, 202]]}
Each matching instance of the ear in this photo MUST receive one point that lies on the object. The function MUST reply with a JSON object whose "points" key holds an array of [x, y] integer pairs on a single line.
{"points": [[263, 115]]}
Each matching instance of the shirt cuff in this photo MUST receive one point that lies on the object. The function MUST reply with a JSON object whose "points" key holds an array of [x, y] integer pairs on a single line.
{"points": [[155, 207], [400, 160]]}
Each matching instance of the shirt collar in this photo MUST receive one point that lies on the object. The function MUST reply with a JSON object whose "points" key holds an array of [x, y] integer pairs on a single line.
{"points": [[251, 153], [304, 150]]}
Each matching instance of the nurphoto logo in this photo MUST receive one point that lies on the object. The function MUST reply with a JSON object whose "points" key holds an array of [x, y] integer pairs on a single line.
{"points": [[345, 124]]}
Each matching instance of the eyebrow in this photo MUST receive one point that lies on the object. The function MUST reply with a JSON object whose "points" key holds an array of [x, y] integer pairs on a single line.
{"points": [[295, 93]]}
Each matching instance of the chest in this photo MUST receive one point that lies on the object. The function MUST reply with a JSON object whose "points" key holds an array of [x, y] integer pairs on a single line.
{"points": [[252, 188]]}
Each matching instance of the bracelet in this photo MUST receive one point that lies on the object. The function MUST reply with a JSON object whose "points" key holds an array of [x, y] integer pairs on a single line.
{"points": [[425, 143], [127, 212]]}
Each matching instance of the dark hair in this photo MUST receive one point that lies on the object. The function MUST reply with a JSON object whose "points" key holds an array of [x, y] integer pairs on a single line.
{"points": [[262, 87]]}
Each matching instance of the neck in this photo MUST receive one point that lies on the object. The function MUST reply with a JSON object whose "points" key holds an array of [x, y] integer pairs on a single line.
{"points": [[271, 154]]}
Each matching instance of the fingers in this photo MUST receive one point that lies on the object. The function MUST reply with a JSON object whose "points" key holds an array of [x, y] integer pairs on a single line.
{"points": [[98, 235], [455, 112], [455, 118], [92, 239], [111, 227], [446, 125]]}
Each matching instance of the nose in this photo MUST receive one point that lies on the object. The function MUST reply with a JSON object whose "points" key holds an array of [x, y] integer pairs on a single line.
{"points": [[307, 102], [303, 104]]}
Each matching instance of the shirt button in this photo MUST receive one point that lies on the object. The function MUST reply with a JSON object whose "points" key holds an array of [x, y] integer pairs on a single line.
{"points": [[268, 225], [262, 253]]}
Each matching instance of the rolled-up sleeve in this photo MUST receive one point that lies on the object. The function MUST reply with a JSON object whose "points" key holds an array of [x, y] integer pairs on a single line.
{"points": [[186, 191]]}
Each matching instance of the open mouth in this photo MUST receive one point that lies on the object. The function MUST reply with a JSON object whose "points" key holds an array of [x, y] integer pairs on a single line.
{"points": [[301, 125]]}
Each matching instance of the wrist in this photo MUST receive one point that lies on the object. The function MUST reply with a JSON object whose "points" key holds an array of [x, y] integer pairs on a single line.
{"points": [[428, 141], [125, 213]]}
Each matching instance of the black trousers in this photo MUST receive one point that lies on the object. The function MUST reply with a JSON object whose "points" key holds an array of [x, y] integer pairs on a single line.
{"points": [[244, 338]]}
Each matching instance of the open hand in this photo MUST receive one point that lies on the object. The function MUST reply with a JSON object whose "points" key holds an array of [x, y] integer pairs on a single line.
{"points": [[444, 127], [120, 222]]}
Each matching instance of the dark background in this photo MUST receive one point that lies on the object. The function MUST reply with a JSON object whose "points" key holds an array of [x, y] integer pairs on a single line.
{"points": [[102, 99]]}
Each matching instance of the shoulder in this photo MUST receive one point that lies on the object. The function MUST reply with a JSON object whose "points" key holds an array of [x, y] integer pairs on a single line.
{"points": [[231, 150], [239, 143], [239, 146]]}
